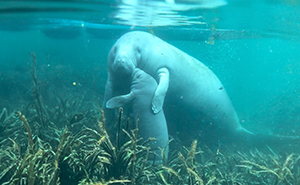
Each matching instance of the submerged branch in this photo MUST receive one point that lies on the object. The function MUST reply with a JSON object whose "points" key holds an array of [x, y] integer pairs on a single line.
{"points": [[36, 92]]}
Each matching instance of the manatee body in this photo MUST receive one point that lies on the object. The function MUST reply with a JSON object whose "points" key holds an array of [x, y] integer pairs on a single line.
{"points": [[150, 125], [195, 101]]}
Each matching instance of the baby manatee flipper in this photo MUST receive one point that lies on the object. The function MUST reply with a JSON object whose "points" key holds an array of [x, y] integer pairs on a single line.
{"points": [[119, 101], [161, 90]]}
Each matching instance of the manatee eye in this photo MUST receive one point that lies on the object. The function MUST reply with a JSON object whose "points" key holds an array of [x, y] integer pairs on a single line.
{"points": [[115, 50], [138, 49], [138, 76]]}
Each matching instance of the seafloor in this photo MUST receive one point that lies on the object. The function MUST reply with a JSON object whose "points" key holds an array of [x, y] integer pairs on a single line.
{"points": [[54, 137]]}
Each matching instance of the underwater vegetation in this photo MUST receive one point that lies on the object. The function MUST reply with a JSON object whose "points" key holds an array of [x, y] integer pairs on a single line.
{"points": [[71, 144]]}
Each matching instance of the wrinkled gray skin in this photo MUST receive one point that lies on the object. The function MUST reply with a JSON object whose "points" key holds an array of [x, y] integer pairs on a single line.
{"points": [[150, 125], [195, 97]]}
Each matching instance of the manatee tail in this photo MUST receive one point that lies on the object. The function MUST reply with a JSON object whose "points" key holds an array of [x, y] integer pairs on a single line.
{"points": [[277, 139], [277, 142], [260, 140]]}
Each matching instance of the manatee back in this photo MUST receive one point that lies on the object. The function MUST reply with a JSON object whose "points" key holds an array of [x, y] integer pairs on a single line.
{"points": [[150, 125]]}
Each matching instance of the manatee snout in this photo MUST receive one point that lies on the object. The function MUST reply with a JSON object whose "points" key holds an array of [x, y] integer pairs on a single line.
{"points": [[123, 65]]}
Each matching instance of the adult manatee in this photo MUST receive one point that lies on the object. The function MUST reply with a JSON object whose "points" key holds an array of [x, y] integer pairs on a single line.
{"points": [[196, 101], [150, 125]]}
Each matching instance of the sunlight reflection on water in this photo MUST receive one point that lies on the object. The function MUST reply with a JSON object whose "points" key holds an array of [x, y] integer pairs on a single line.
{"points": [[162, 13]]}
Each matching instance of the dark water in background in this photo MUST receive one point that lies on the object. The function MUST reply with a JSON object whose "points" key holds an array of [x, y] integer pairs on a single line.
{"points": [[252, 46]]}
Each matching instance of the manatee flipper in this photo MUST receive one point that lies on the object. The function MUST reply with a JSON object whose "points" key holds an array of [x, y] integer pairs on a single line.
{"points": [[108, 90], [109, 113], [161, 90], [119, 101]]}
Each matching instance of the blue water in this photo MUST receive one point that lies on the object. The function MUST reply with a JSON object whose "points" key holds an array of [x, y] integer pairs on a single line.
{"points": [[251, 45]]}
